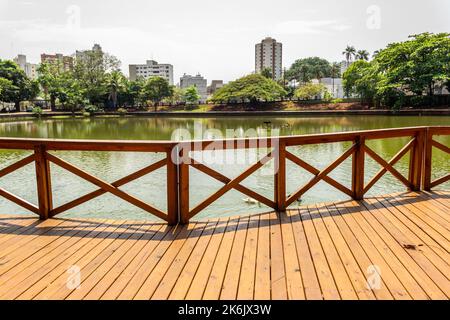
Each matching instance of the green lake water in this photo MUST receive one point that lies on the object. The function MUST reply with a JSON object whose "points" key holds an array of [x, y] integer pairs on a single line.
{"points": [[111, 166]]}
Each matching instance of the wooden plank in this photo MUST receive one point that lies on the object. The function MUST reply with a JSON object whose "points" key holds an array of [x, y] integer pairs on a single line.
{"points": [[183, 283], [28, 287], [170, 278], [340, 275], [17, 165], [187, 235], [422, 267], [388, 249], [324, 274], [233, 272], [99, 267], [277, 264], [134, 284], [262, 271], [19, 201], [246, 285], [388, 275], [135, 265], [54, 283], [214, 285], [201, 277], [352, 261], [294, 283], [308, 272]]}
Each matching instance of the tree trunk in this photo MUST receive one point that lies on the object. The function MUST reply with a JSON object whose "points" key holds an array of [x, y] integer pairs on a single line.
{"points": [[53, 104], [17, 106]]}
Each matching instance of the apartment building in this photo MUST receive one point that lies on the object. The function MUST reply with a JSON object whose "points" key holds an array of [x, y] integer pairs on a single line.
{"points": [[66, 62], [151, 69], [30, 69], [198, 81], [269, 54]]}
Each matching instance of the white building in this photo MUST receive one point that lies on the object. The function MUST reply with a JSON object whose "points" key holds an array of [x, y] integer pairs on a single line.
{"points": [[30, 69], [334, 86], [151, 69], [198, 81], [269, 54]]}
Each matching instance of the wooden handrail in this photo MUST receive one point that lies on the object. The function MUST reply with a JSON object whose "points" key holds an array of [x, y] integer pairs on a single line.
{"points": [[178, 161]]}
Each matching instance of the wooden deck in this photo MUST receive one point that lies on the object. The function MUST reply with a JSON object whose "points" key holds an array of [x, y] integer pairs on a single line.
{"points": [[329, 251]]}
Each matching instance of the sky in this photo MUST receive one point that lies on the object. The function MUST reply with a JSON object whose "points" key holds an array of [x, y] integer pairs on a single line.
{"points": [[214, 38]]}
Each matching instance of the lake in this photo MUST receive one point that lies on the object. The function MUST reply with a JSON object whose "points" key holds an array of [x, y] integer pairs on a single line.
{"points": [[151, 188]]}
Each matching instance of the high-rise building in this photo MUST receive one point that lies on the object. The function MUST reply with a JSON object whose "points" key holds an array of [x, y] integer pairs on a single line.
{"points": [[198, 81], [269, 54], [151, 69], [66, 62], [30, 69]]}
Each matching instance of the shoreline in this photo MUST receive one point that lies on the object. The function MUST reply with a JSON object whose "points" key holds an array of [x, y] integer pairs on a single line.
{"points": [[187, 114]]}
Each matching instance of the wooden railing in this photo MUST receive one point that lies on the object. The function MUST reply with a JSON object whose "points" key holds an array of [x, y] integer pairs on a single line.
{"points": [[178, 161]]}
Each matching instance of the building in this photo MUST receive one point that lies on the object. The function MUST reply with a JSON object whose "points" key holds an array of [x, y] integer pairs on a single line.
{"points": [[30, 69], [151, 69], [80, 55], [198, 81], [65, 61], [269, 54], [215, 85], [334, 86]]}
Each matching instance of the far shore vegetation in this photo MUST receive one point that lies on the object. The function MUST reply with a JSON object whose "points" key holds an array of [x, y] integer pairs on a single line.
{"points": [[404, 74]]}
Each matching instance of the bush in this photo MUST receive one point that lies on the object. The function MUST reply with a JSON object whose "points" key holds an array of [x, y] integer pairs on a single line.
{"points": [[91, 109], [122, 111], [337, 100], [37, 111]]}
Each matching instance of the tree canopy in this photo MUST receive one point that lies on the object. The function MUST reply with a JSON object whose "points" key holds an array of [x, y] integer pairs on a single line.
{"points": [[251, 88], [304, 70]]}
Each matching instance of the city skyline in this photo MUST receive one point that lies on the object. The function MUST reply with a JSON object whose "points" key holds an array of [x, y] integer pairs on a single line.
{"points": [[195, 39]]}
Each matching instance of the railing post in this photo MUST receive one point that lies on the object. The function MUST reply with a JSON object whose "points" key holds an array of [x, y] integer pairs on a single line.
{"points": [[280, 176], [358, 164], [183, 187], [172, 188], [43, 179], [416, 161], [427, 162]]}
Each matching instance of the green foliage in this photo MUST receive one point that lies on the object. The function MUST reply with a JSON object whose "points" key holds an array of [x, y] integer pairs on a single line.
{"points": [[37, 111], [115, 83], [91, 109], [309, 91], [155, 90], [191, 95], [252, 88], [304, 70], [362, 55], [122, 111], [416, 66], [327, 96], [267, 72], [15, 86]]}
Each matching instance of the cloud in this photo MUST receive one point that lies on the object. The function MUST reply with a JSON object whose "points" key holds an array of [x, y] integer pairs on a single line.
{"points": [[310, 27]]}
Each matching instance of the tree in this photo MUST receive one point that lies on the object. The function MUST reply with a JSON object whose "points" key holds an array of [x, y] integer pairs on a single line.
{"points": [[349, 53], [267, 72], [252, 88], [17, 86], [191, 95], [91, 70], [156, 89], [362, 55], [418, 64], [5, 85], [361, 79], [304, 70], [115, 83], [309, 91]]}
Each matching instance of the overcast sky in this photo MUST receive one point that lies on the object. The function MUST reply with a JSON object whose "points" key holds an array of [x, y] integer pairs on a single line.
{"points": [[215, 38]]}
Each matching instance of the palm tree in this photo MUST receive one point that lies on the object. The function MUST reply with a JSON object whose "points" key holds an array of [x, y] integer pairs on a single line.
{"points": [[114, 84], [349, 53], [362, 55], [335, 72]]}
